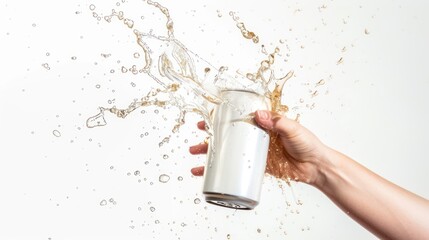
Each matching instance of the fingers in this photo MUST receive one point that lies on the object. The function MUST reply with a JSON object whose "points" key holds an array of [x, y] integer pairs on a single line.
{"points": [[197, 171], [201, 125], [199, 149], [277, 123]]}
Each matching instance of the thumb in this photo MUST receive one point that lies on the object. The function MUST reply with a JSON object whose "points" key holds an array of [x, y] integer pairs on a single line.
{"points": [[276, 123]]}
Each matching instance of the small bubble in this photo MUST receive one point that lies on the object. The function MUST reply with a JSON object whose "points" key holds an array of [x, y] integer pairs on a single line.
{"points": [[258, 230], [46, 66], [92, 7], [48, 54], [112, 71], [124, 69], [180, 178], [164, 178], [33, 25], [197, 201], [137, 173], [152, 209], [136, 55], [73, 58], [183, 224], [103, 202], [146, 163], [56, 133], [98, 86], [156, 221]]}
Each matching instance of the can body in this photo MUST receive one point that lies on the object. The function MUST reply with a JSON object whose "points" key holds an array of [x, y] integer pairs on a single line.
{"points": [[237, 153]]}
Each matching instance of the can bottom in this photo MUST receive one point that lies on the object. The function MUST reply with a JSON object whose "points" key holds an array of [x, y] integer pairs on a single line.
{"points": [[230, 201]]}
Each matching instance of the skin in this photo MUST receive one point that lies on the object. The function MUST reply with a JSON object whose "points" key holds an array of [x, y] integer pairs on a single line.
{"points": [[385, 209]]}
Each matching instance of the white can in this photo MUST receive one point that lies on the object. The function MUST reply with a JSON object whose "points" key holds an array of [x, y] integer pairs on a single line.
{"points": [[237, 154]]}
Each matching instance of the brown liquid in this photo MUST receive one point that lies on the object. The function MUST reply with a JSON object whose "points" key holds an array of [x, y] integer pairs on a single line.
{"points": [[180, 86], [246, 33]]}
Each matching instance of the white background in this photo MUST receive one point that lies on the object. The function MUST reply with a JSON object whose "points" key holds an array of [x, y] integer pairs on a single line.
{"points": [[373, 107]]}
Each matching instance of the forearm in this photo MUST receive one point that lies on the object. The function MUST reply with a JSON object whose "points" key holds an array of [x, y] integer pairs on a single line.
{"points": [[390, 212]]}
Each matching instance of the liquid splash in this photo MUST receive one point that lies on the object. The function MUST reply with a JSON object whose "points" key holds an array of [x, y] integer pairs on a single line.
{"points": [[180, 86], [240, 25]]}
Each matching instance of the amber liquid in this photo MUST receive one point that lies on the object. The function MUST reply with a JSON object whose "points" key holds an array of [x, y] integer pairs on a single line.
{"points": [[183, 88]]}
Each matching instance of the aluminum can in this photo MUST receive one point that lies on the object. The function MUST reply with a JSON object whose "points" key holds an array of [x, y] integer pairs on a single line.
{"points": [[237, 153]]}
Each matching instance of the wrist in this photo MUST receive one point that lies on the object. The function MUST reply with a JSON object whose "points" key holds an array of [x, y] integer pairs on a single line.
{"points": [[325, 167]]}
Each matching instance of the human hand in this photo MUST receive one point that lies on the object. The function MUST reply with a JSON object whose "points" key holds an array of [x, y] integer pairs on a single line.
{"points": [[294, 154]]}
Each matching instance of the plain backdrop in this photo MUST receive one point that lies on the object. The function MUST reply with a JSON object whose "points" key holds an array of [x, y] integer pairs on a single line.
{"points": [[61, 180]]}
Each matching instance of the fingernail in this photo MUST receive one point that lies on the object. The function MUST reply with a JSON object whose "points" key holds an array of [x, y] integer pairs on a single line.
{"points": [[263, 115]]}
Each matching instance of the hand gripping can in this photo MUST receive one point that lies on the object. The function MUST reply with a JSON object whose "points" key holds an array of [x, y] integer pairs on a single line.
{"points": [[237, 153]]}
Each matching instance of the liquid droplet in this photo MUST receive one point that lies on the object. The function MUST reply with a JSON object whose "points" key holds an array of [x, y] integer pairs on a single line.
{"points": [[320, 82], [164, 178], [97, 120], [46, 66], [56, 133], [103, 202]]}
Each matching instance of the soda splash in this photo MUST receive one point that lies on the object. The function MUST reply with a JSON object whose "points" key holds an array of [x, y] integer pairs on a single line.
{"points": [[180, 85]]}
